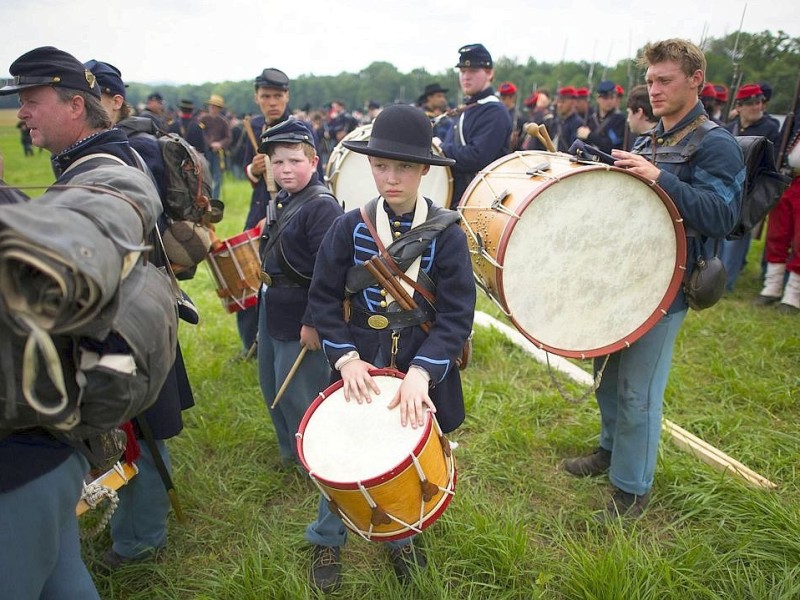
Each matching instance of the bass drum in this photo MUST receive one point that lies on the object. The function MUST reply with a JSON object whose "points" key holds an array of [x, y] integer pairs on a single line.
{"points": [[350, 178], [584, 259]]}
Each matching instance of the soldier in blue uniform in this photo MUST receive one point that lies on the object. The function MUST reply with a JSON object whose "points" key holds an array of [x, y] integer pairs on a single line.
{"points": [[399, 151], [41, 476], [483, 129], [706, 191], [605, 127], [563, 124], [188, 127], [272, 97], [139, 525]]}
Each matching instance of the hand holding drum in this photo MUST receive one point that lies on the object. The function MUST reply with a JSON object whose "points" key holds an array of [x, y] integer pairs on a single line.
{"points": [[412, 396]]}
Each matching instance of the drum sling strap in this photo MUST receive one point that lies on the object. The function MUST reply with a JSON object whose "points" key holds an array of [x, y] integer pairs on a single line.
{"points": [[276, 228], [392, 262]]}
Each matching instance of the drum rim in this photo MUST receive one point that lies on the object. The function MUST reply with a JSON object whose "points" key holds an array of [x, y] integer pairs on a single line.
{"points": [[236, 240], [425, 434], [429, 519], [234, 306], [676, 280]]}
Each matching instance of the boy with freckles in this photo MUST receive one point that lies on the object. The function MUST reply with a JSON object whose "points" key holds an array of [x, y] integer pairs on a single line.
{"points": [[399, 152], [297, 219]]}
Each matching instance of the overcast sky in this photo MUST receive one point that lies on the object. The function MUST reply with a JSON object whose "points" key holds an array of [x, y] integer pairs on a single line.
{"points": [[196, 41]]}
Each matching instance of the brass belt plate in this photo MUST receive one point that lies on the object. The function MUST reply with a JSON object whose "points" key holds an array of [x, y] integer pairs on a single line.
{"points": [[265, 278], [378, 322]]}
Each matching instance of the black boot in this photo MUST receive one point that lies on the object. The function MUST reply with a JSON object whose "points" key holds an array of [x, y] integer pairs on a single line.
{"points": [[326, 570], [624, 505], [592, 465]]}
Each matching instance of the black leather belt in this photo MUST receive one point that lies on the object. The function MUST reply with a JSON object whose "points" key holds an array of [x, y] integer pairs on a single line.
{"points": [[388, 320], [277, 281]]}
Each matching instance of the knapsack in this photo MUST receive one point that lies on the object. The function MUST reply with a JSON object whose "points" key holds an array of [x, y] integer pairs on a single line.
{"points": [[188, 208], [188, 195], [188, 175], [763, 184]]}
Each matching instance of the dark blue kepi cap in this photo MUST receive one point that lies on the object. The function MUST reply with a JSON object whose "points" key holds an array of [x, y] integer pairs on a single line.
{"points": [[290, 131], [272, 78], [50, 66], [474, 56], [109, 77], [607, 87]]}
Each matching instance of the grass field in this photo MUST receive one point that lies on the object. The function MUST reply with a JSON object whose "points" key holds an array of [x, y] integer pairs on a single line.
{"points": [[518, 528]]}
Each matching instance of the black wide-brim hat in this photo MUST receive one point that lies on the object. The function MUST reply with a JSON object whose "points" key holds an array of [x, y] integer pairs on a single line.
{"points": [[401, 132]]}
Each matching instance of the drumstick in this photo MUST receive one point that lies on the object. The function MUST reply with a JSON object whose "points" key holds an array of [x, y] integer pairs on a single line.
{"points": [[290, 375], [381, 272], [536, 131]]}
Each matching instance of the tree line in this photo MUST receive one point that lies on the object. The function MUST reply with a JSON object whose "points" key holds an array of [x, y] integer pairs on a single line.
{"points": [[764, 56]]}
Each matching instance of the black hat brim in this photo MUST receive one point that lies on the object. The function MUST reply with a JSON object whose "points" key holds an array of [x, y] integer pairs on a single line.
{"points": [[362, 147], [7, 90]]}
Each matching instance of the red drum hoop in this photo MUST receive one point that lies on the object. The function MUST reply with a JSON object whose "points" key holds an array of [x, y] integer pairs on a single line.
{"points": [[235, 266], [584, 259], [386, 482]]}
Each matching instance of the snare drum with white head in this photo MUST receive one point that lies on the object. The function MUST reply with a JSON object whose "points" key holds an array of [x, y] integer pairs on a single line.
{"points": [[350, 177], [385, 481], [584, 259]]}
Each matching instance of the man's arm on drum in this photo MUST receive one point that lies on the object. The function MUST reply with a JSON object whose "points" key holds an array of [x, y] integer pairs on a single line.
{"points": [[710, 203]]}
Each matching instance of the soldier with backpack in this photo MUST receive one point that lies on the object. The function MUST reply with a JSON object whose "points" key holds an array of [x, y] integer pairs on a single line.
{"points": [[41, 474], [706, 186], [139, 525]]}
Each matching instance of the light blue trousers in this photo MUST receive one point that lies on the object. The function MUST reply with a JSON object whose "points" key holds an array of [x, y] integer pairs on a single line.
{"points": [[40, 553], [631, 400], [139, 525], [275, 360]]}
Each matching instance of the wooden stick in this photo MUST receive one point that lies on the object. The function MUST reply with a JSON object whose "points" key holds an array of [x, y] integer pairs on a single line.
{"points": [[290, 375], [683, 439], [714, 456], [381, 272]]}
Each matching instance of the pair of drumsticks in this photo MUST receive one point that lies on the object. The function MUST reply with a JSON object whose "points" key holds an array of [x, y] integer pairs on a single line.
{"points": [[383, 276], [540, 132]]}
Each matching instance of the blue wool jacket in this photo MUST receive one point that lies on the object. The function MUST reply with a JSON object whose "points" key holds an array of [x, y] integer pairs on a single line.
{"points": [[707, 190], [446, 262], [486, 129], [287, 307]]}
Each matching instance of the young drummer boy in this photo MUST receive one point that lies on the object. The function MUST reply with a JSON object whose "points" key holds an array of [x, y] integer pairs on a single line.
{"points": [[399, 152], [296, 222]]}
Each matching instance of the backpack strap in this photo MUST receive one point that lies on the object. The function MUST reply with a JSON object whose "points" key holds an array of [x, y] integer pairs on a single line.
{"points": [[276, 229], [404, 250]]}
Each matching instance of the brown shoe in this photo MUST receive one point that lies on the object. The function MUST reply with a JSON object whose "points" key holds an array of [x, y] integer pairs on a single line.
{"points": [[623, 505], [787, 309], [592, 465]]}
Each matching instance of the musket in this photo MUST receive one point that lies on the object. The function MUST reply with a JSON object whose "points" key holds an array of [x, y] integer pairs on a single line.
{"points": [[736, 79], [788, 125]]}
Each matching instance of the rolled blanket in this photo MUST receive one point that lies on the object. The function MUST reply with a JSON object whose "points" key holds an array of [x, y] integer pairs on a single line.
{"points": [[82, 386], [63, 255]]}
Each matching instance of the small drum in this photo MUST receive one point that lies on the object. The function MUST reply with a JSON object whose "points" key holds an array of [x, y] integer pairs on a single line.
{"points": [[584, 259], [236, 266], [386, 482], [350, 177]]}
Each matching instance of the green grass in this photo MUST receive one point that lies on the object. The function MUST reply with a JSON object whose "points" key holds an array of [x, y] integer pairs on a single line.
{"points": [[518, 528]]}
